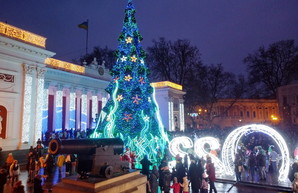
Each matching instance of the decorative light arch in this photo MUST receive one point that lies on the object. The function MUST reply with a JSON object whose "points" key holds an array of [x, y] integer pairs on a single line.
{"points": [[230, 148]]}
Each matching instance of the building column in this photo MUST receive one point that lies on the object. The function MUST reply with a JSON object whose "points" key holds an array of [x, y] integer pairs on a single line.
{"points": [[171, 115], [27, 108], [72, 108], [78, 109], [84, 108], [181, 114], [94, 109], [45, 107], [39, 104], [58, 108]]}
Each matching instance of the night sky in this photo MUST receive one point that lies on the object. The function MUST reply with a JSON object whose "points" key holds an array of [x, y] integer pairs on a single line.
{"points": [[224, 31]]}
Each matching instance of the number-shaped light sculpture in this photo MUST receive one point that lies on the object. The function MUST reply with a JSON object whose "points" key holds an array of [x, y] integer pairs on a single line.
{"points": [[201, 151]]}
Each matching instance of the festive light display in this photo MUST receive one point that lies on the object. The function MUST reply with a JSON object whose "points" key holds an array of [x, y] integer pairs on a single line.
{"points": [[58, 119], [130, 113], [231, 143], [27, 102], [174, 146], [22, 35], [200, 151], [226, 165], [64, 65], [166, 84]]}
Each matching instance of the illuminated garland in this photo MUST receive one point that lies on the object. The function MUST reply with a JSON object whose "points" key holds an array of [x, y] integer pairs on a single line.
{"points": [[130, 113]]}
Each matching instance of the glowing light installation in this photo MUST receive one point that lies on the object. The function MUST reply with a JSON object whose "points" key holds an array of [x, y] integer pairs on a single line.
{"points": [[230, 148], [22, 35], [39, 102], [84, 112], [64, 65], [45, 108], [174, 146], [58, 113], [72, 109], [27, 102], [130, 113], [181, 109], [94, 106], [200, 151]]}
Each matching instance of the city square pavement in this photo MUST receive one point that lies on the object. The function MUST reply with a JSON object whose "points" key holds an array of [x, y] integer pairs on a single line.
{"points": [[222, 187]]}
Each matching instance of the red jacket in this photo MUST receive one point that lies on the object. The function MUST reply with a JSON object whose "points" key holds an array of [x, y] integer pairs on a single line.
{"points": [[211, 172]]}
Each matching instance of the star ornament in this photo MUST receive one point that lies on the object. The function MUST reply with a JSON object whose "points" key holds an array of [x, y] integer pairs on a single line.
{"points": [[127, 78], [123, 58], [128, 40], [127, 117], [146, 118], [119, 97], [133, 58], [136, 99]]}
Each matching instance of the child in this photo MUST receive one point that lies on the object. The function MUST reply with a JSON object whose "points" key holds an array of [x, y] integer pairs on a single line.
{"points": [[204, 186], [295, 183], [185, 184], [176, 186]]}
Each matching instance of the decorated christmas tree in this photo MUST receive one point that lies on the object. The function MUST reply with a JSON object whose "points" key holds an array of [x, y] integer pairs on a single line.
{"points": [[131, 112]]}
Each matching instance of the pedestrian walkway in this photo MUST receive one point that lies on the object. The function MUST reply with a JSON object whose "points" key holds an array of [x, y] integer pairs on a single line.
{"points": [[222, 187]]}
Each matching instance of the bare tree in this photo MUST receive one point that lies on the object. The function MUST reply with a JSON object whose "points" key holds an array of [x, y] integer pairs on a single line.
{"points": [[173, 61], [271, 68]]}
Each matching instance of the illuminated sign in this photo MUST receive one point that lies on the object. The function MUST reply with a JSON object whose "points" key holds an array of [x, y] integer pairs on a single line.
{"points": [[64, 65], [19, 34], [166, 84]]}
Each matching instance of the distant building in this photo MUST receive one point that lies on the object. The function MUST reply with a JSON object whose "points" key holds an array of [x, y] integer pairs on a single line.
{"points": [[169, 97], [235, 113], [287, 97]]}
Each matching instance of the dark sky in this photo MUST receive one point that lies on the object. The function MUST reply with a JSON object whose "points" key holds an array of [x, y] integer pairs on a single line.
{"points": [[225, 31]]}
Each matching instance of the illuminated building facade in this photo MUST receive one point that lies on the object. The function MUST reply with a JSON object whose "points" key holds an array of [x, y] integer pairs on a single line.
{"points": [[169, 97], [39, 93], [287, 97], [235, 113]]}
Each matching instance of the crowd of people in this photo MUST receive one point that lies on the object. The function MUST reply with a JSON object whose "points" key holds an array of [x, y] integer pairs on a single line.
{"points": [[199, 176], [40, 166]]}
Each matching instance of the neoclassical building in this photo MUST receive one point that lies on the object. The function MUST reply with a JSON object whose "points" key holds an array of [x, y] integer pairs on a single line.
{"points": [[39, 93], [235, 113]]}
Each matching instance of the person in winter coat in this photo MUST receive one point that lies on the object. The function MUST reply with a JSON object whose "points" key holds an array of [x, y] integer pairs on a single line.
{"points": [[145, 165], [176, 186], [18, 187], [167, 177], [60, 162], [3, 179], [295, 183], [211, 173], [185, 185], [193, 173], [204, 185], [160, 171], [37, 184], [14, 172], [153, 180]]}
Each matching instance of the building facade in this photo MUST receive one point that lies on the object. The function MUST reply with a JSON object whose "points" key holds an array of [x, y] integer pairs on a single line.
{"points": [[287, 97], [234, 113], [39, 93]]}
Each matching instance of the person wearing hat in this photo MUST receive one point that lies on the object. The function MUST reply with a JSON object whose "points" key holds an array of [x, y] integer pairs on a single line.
{"points": [[295, 183]]}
